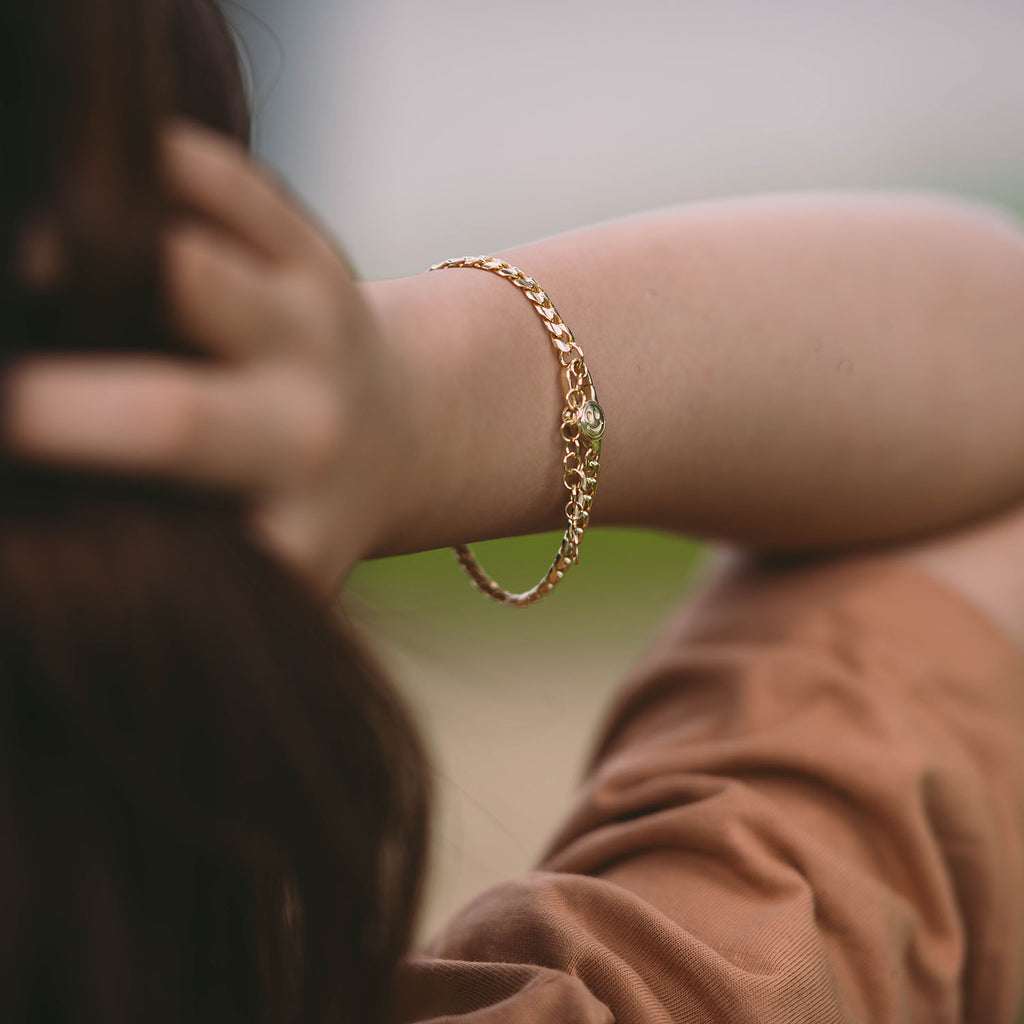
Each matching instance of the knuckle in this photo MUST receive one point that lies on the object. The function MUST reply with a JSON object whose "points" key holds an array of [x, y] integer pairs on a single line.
{"points": [[192, 269], [184, 259], [314, 311], [316, 433], [176, 422], [226, 172]]}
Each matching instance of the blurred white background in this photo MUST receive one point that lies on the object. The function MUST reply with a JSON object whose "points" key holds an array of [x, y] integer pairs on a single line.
{"points": [[420, 129], [423, 129]]}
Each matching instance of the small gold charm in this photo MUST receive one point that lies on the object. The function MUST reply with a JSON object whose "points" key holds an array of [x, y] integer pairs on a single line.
{"points": [[592, 422]]}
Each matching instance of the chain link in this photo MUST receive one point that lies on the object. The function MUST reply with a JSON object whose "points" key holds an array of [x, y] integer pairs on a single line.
{"points": [[581, 428]]}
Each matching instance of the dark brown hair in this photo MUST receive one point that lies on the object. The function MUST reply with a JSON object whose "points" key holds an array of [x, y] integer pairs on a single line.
{"points": [[212, 808]]}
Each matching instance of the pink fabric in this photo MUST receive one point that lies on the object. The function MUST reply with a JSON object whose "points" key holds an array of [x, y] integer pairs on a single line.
{"points": [[808, 807]]}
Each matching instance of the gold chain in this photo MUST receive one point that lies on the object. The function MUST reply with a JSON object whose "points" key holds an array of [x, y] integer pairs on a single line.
{"points": [[581, 427]]}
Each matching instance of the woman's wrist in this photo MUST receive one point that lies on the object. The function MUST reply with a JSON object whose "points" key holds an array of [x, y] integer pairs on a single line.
{"points": [[484, 455]]}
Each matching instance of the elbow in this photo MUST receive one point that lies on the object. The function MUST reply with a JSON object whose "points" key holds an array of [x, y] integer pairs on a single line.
{"points": [[974, 215]]}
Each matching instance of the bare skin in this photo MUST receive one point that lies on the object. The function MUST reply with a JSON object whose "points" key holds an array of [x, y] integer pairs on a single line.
{"points": [[807, 372], [801, 371]]}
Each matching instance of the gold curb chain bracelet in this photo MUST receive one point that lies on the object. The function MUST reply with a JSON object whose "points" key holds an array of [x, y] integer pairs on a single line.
{"points": [[581, 428]]}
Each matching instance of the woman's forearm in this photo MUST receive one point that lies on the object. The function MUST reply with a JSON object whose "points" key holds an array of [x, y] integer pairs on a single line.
{"points": [[786, 371]]}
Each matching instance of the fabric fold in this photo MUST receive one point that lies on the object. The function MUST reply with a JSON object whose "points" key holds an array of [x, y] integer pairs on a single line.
{"points": [[808, 805]]}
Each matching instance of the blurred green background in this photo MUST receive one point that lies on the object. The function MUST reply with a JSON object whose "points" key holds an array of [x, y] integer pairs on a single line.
{"points": [[624, 577]]}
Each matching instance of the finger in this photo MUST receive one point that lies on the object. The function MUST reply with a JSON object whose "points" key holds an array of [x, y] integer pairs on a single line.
{"points": [[281, 527], [221, 298], [157, 418], [298, 531], [214, 176]]}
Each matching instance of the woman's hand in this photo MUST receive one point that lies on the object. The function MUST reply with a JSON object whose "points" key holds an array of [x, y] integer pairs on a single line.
{"points": [[303, 408]]}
